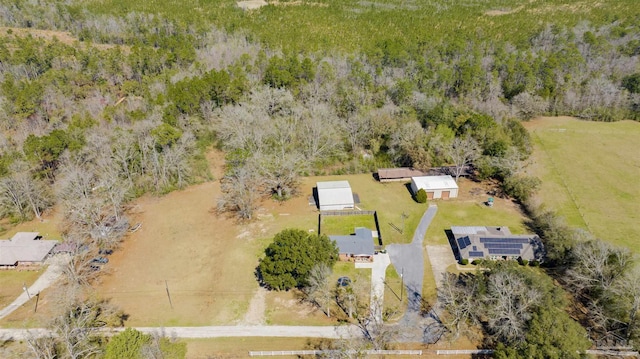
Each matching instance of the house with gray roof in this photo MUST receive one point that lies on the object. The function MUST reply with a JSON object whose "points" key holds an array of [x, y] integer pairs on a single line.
{"points": [[24, 248], [357, 247], [495, 243]]}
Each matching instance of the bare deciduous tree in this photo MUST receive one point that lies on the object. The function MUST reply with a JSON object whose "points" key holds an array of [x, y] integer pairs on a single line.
{"points": [[510, 302], [318, 289], [23, 196], [462, 152], [596, 267], [240, 191], [458, 296]]}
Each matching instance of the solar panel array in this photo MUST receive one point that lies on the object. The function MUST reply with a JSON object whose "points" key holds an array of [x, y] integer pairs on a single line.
{"points": [[503, 245], [503, 251], [476, 254], [464, 242], [503, 240]]}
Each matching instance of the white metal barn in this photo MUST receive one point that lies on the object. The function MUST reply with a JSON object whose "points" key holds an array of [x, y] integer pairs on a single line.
{"points": [[436, 186], [335, 195]]}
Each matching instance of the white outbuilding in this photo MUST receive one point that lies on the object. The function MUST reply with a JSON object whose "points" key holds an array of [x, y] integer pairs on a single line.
{"points": [[436, 186], [335, 195]]}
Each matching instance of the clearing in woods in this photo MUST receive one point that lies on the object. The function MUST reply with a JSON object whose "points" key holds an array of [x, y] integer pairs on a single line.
{"points": [[589, 173]]}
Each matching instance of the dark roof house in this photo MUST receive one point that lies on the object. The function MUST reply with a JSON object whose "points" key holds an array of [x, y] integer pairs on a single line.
{"points": [[496, 243], [24, 248], [358, 246]]}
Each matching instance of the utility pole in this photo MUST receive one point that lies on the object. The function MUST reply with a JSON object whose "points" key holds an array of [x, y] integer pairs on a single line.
{"points": [[404, 216], [168, 295], [402, 287], [37, 300]]}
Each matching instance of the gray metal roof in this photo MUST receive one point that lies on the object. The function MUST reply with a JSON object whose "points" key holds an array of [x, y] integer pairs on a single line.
{"points": [[358, 244], [335, 193], [435, 182], [24, 247]]}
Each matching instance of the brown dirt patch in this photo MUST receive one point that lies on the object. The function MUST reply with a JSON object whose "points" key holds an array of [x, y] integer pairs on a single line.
{"points": [[500, 12], [209, 272], [251, 4], [49, 35]]}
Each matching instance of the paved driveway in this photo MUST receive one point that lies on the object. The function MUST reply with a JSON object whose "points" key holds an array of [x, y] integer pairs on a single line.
{"points": [[409, 261]]}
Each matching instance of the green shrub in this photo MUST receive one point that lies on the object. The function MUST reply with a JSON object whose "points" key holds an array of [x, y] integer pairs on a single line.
{"points": [[464, 261], [421, 196], [534, 263], [475, 262], [523, 262]]}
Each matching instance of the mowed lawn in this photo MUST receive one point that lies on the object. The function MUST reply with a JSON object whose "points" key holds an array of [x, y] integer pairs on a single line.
{"points": [[590, 174], [12, 282], [469, 209]]}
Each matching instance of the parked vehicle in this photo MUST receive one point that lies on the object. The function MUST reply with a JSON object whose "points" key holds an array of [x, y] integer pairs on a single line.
{"points": [[100, 260]]}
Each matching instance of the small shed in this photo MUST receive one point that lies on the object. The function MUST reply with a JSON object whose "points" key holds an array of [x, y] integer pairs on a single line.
{"points": [[436, 186], [335, 195], [357, 247]]}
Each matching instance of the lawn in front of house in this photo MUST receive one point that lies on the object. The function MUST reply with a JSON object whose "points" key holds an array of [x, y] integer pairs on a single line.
{"points": [[470, 210], [12, 282]]}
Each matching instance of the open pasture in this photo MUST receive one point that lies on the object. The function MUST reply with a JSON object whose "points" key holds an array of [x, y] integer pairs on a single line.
{"points": [[589, 173]]}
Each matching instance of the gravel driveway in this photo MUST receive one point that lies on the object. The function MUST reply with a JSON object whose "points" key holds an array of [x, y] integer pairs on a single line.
{"points": [[440, 257]]}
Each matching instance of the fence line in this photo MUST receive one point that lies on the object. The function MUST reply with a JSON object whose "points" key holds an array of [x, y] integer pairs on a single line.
{"points": [[320, 352], [464, 352], [346, 213]]}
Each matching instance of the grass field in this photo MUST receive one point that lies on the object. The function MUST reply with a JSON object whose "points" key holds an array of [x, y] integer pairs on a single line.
{"points": [[11, 283], [469, 210], [589, 173], [345, 225]]}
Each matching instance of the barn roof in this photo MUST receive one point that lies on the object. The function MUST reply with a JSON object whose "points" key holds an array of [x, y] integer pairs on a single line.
{"points": [[435, 182], [24, 247], [360, 243], [334, 193], [399, 173]]}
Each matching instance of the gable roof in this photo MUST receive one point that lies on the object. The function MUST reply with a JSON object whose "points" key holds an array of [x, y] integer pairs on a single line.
{"points": [[24, 247], [334, 193], [358, 244], [486, 242], [399, 173], [434, 182]]}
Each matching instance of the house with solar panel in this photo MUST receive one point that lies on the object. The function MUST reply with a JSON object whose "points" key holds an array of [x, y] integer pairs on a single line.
{"points": [[495, 243]]}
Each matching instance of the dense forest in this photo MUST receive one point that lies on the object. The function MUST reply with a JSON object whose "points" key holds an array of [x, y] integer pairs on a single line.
{"points": [[147, 88]]}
